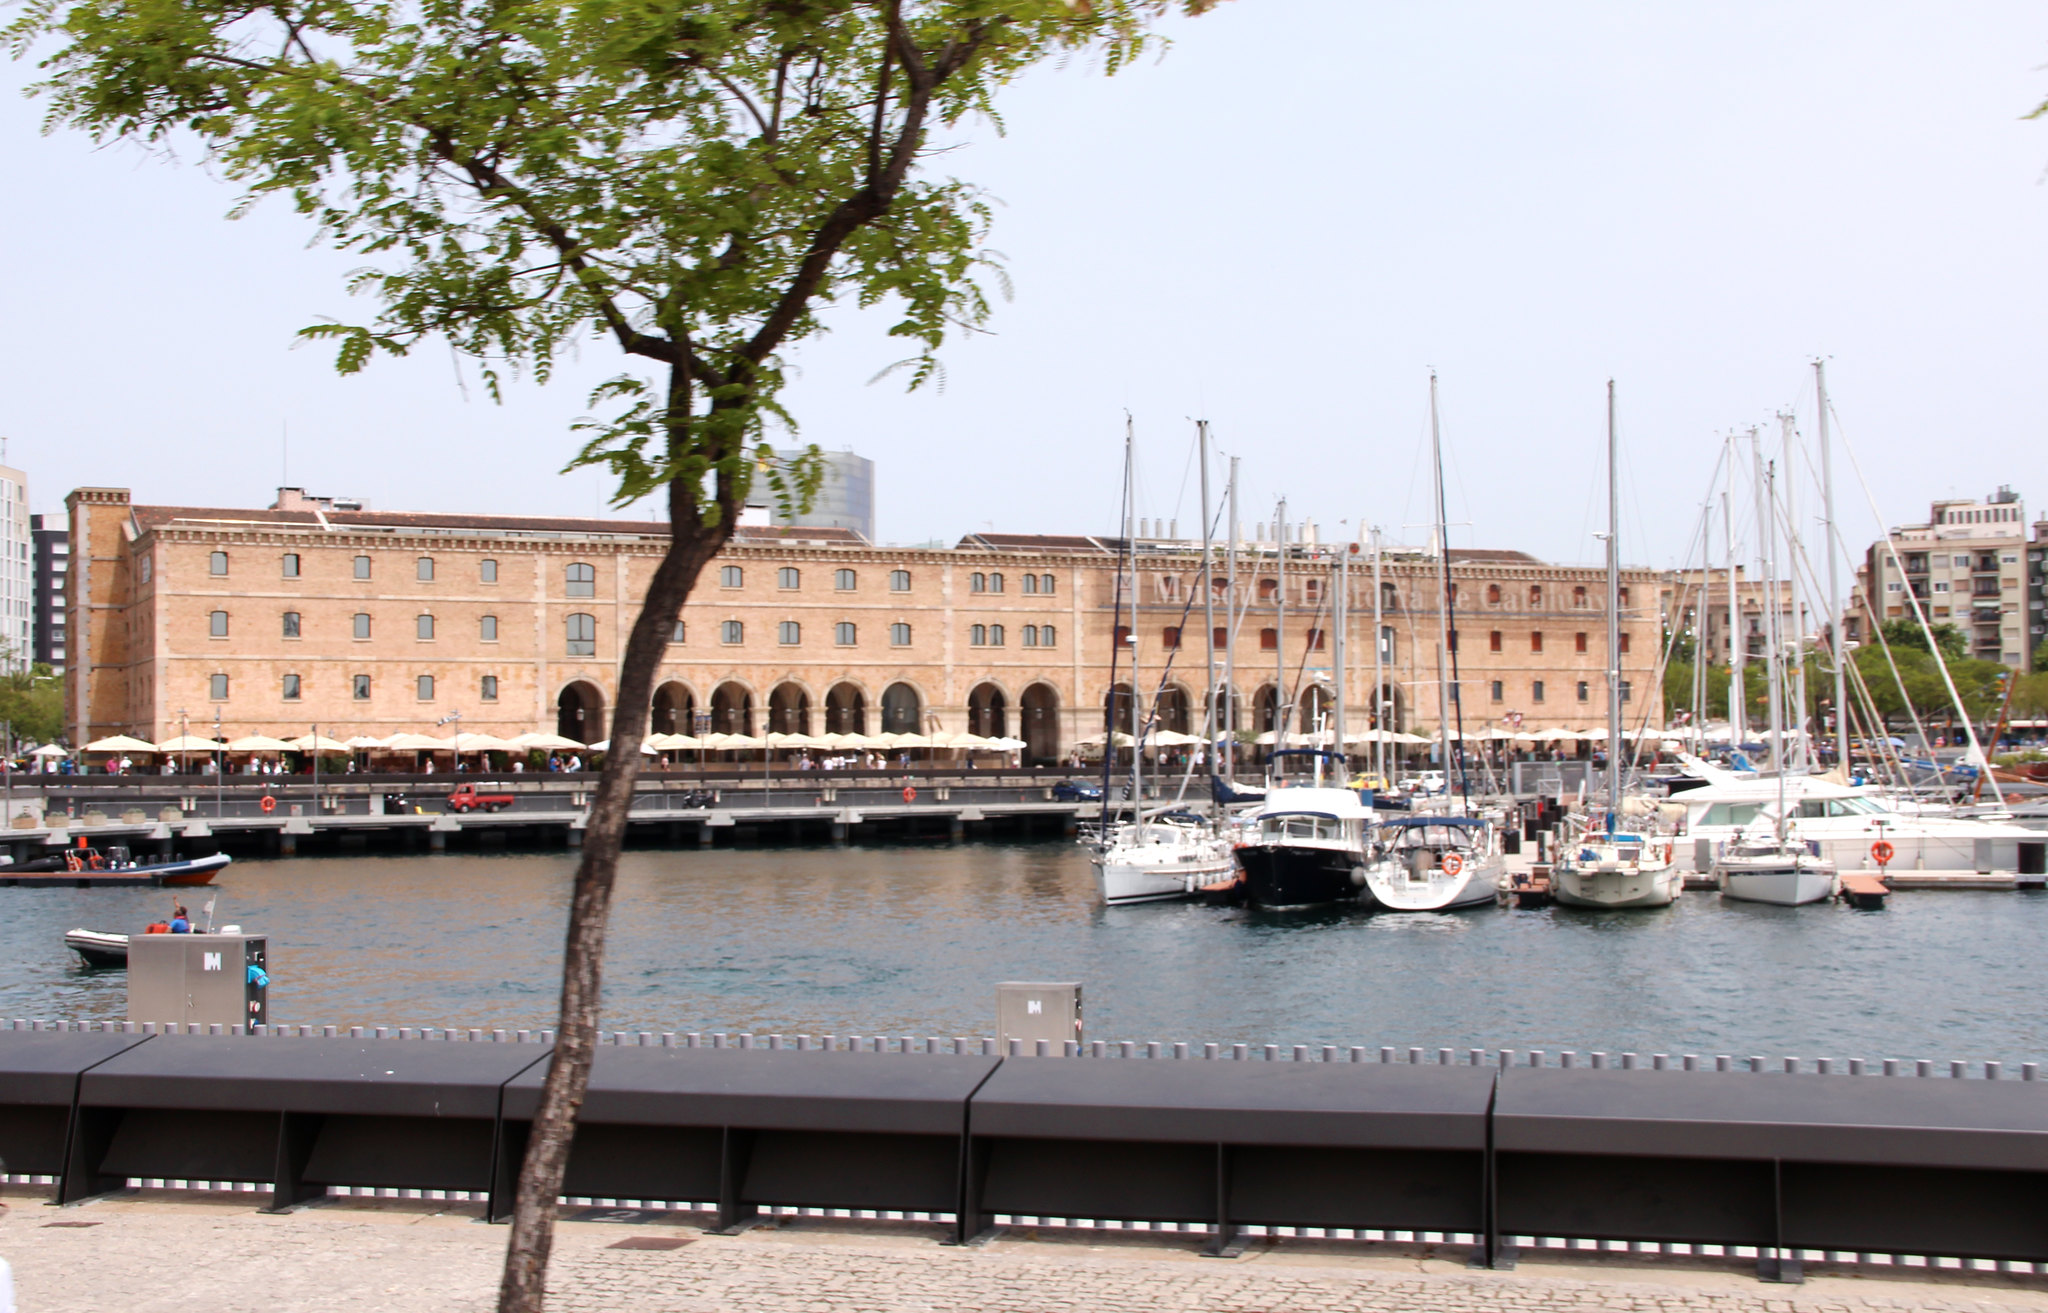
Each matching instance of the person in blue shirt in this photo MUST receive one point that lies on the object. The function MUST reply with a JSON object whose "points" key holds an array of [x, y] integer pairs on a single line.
{"points": [[181, 923]]}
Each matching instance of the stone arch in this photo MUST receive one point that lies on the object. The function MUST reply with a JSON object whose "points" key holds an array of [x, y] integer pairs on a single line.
{"points": [[789, 709], [1227, 708], [1318, 703], [1394, 708], [732, 708], [579, 712], [1116, 707], [846, 710], [988, 712], [1265, 709], [1170, 709], [674, 710], [1038, 724], [902, 710]]}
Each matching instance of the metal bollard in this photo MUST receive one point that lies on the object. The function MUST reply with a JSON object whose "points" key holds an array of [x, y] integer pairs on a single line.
{"points": [[1098, 1049], [1791, 1066], [1070, 1049], [1209, 1051], [1240, 1053], [1016, 1048], [1599, 1061], [1628, 1062], [1855, 1066], [1660, 1062], [1357, 1053], [746, 1039], [668, 1039], [1958, 1070], [1568, 1058], [1330, 1053], [1414, 1057], [694, 1039], [1300, 1053], [1507, 1058], [1386, 1054], [2030, 1071], [1923, 1067], [1180, 1050], [1475, 1057], [1152, 1049], [1992, 1070], [1891, 1066], [1756, 1063], [1042, 1048], [1127, 1048], [1444, 1057], [1825, 1066], [1692, 1062], [1535, 1057], [355, 1032]]}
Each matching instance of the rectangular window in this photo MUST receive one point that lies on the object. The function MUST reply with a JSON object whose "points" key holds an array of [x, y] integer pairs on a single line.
{"points": [[425, 626], [1454, 640], [1170, 638], [487, 628], [426, 569], [1493, 640], [899, 581], [1536, 691], [789, 633], [1624, 640], [291, 565], [361, 687], [217, 624], [732, 631], [487, 571], [843, 580], [843, 633], [217, 563], [676, 635], [362, 567], [1499, 692], [1579, 641], [291, 624], [291, 688], [487, 689], [731, 576], [1315, 640], [1269, 640], [1220, 637], [362, 624], [1535, 640], [1584, 691], [1626, 691], [788, 577], [425, 688], [217, 687], [899, 635]]}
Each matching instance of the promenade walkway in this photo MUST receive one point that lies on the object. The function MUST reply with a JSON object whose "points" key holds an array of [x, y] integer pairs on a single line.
{"points": [[154, 1255]]}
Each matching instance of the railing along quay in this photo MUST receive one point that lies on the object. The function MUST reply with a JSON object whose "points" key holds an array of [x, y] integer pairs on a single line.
{"points": [[1497, 1149]]}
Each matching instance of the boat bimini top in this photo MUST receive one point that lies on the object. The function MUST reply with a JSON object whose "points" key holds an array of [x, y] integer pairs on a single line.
{"points": [[1417, 822]]}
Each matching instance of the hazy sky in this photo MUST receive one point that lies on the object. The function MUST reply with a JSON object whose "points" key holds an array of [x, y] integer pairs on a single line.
{"points": [[1282, 226]]}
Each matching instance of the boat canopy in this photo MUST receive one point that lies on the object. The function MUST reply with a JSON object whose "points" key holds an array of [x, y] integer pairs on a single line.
{"points": [[1417, 822]]}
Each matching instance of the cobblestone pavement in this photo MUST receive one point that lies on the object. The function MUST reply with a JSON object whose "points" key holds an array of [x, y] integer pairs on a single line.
{"points": [[218, 1256]]}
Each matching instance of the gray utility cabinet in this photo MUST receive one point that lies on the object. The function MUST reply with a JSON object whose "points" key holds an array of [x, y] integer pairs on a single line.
{"points": [[1030, 1011], [209, 979]]}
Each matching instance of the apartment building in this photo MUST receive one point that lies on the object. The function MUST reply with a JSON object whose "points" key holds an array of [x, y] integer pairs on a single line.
{"points": [[1967, 566]]}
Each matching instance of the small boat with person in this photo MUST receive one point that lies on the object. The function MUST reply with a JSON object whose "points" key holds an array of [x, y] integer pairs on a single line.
{"points": [[86, 867]]}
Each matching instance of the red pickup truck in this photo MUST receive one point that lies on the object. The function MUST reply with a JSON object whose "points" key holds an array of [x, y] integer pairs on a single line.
{"points": [[468, 797]]}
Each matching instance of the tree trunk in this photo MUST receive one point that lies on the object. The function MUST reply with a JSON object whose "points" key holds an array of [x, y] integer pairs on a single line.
{"points": [[692, 543]]}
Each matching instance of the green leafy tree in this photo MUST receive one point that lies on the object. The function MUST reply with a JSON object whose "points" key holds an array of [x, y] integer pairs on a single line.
{"points": [[694, 181], [1907, 633], [32, 703]]}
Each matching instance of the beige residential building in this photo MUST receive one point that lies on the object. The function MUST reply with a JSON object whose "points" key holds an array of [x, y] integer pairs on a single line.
{"points": [[1967, 566], [363, 622]]}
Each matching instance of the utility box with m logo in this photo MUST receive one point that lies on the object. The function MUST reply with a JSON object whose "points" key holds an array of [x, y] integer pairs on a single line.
{"points": [[1030, 1011], [208, 979]]}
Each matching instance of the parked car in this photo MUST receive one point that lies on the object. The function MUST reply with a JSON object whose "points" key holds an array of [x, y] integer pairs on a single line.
{"points": [[1072, 791]]}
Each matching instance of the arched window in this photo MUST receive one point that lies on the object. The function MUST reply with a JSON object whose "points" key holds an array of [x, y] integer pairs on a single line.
{"points": [[425, 626], [291, 688], [901, 709], [899, 581], [1578, 595], [361, 625], [1315, 640], [217, 687], [487, 628], [1030, 632], [426, 569], [977, 635], [362, 567], [1624, 596], [732, 631], [995, 635], [731, 576], [1046, 637], [425, 690], [899, 635], [789, 633], [995, 583], [1269, 590], [291, 624], [977, 582], [360, 685], [1493, 594], [1535, 594], [487, 688], [843, 580], [1030, 583], [1493, 639], [582, 634], [217, 624], [217, 563], [1045, 583], [582, 580], [843, 633], [291, 565], [788, 577], [487, 571], [1121, 636]]}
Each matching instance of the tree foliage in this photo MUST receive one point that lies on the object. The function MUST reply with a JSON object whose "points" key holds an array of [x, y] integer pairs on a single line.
{"points": [[32, 703], [1906, 633]]}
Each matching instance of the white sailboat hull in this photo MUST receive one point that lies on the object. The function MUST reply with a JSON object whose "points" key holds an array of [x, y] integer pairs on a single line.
{"points": [[1477, 884], [1152, 873], [1784, 884], [1622, 887]]}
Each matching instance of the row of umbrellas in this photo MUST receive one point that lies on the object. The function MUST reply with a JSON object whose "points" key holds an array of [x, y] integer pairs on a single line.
{"points": [[466, 743], [1166, 738]]}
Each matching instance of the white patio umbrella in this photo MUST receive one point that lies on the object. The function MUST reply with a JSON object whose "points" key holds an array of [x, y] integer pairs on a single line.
{"points": [[604, 745], [51, 750], [260, 743], [844, 741], [672, 742], [545, 742], [120, 743], [731, 742], [1171, 738], [417, 743], [187, 743], [1014, 745], [486, 743], [318, 743], [796, 741], [364, 742]]}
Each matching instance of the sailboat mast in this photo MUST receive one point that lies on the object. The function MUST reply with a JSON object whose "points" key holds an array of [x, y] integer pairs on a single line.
{"points": [[1280, 703], [1836, 648], [1131, 634], [1206, 582], [1446, 692], [1230, 605], [1379, 675], [1613, 616], [1767, 574], [1738, 712], [1801, 753], [1342, 615]]}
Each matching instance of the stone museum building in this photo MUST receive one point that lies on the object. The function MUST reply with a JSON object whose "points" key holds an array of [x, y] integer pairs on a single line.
{"points": [[316, 612]]}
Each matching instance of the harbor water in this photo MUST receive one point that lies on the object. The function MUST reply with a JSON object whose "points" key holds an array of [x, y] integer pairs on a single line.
{"points": [[911, 940]]}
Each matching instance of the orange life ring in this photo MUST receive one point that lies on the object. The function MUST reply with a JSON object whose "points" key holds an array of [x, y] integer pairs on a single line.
{"points": [[1882, 852], [909, 793], [269, 804], [1452, 863]]}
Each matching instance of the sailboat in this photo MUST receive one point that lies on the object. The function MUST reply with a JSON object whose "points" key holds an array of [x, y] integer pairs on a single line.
{"points": [[1437, 862], [1609, 866], [1170, 854], [1773, 868]]}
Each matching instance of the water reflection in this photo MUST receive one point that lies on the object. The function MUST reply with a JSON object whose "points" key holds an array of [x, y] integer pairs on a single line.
{"points": [[910, 940]]}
